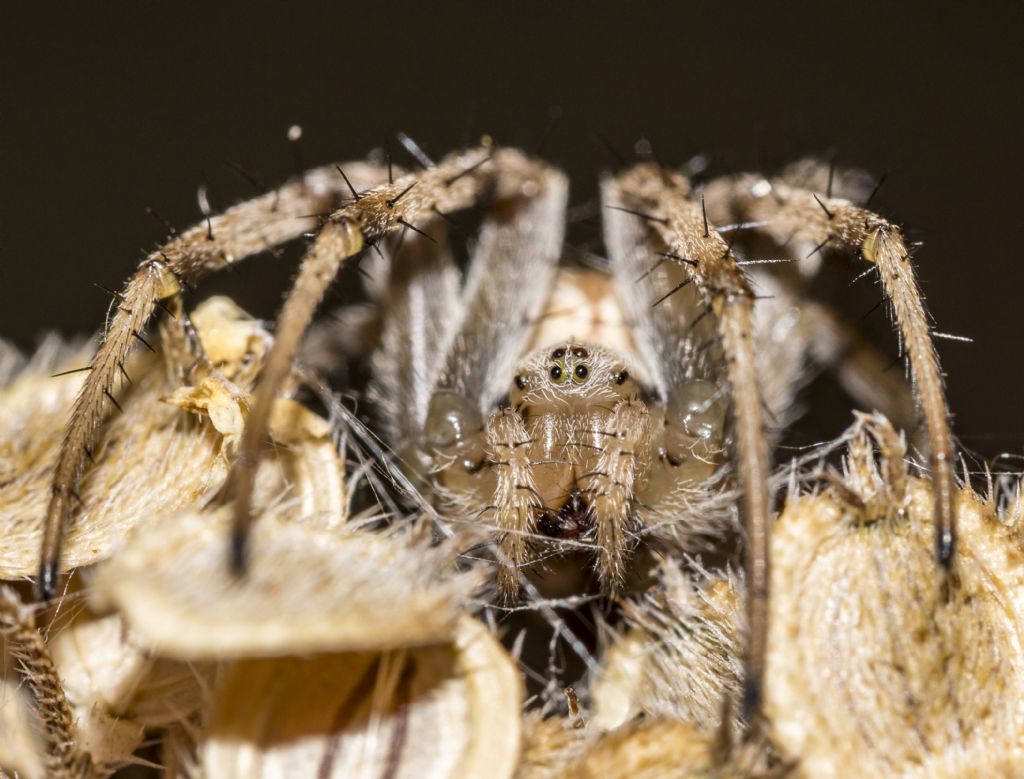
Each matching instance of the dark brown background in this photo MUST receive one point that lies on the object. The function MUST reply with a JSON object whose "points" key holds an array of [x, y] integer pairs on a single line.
{"points": [[106, 111]]}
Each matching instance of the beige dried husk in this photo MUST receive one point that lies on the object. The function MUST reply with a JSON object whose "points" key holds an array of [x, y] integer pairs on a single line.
{"points": [[310, 587], [119, 688], [873, 669], [169, 448], [448, 710], [877, 668]]}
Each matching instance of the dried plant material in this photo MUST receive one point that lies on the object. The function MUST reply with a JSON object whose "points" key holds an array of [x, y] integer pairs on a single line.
{"points": [[152, 458], [109, 678], [448, 710], [63, 755], [874, 670], [652, 749], [679, 658], [20, 748], [311, 588], [549, 744]]}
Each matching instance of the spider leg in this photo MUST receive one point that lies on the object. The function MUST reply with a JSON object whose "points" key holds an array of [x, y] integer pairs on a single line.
{"points": [[662, 200], [507, 285], [859, 367], [611, 487], [213, 244], [515, 495], [788, 212], [63, 753], [457, 182], [442, 338], [420, 301]]}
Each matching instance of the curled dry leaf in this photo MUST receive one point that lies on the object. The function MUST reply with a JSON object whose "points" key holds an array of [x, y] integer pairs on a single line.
{"points": [[447, 710], [310, 587]]}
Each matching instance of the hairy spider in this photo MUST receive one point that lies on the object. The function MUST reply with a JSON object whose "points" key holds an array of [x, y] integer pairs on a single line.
{"points": [[546, 438]]}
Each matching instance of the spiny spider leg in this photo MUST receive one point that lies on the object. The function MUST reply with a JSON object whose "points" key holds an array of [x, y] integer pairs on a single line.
{"points": [[662, 199], [213, 244], [792, 212], [457, 182], [62, 750]]}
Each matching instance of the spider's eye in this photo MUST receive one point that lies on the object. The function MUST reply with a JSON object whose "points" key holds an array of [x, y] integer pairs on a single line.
{"points": [[558, 354], [580, 352], [555, 373], [621, 378], [581, 372], [521, 382]]}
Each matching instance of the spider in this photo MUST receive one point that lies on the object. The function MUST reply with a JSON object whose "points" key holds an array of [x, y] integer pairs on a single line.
{"points": [[563, 444]]}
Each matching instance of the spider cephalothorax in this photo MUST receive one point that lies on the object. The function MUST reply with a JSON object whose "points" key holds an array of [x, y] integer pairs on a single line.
{"points": [[581, 452]]}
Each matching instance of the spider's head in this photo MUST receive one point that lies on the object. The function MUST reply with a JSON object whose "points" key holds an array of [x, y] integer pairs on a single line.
{"points": [[571, 374]]}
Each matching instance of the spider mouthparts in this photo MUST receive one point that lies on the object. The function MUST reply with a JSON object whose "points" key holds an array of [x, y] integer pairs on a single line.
{"points": [[570, 521]]}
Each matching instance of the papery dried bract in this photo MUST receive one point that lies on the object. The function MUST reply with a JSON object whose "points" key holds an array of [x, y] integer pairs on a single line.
{"points": [[680, 655], [873, 669], [448, 710], [310, 587], [152, 458]]}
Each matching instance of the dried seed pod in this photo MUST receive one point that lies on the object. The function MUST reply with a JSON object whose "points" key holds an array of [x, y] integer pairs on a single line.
{"points": [[875, 668], [311, 588], [448, 710]]}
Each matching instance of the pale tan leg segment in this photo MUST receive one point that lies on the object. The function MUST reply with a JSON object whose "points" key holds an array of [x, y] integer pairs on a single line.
{"points": [[515, 496], [790, 212], [859, 367], [662, 199], [611, 487], [239, 232], [457, 182]]}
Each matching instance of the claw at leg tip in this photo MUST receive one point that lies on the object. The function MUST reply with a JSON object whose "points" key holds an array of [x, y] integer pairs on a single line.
{"points": [[46, 586], [238, 555], [946, 550], [750, 706]]}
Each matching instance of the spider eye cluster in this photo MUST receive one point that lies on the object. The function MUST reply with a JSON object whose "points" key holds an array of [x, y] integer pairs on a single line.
{"points": [[568, 363]]}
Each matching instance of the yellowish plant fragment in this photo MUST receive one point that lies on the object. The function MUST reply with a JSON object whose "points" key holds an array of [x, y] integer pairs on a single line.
{"points": [[170, 447]]}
